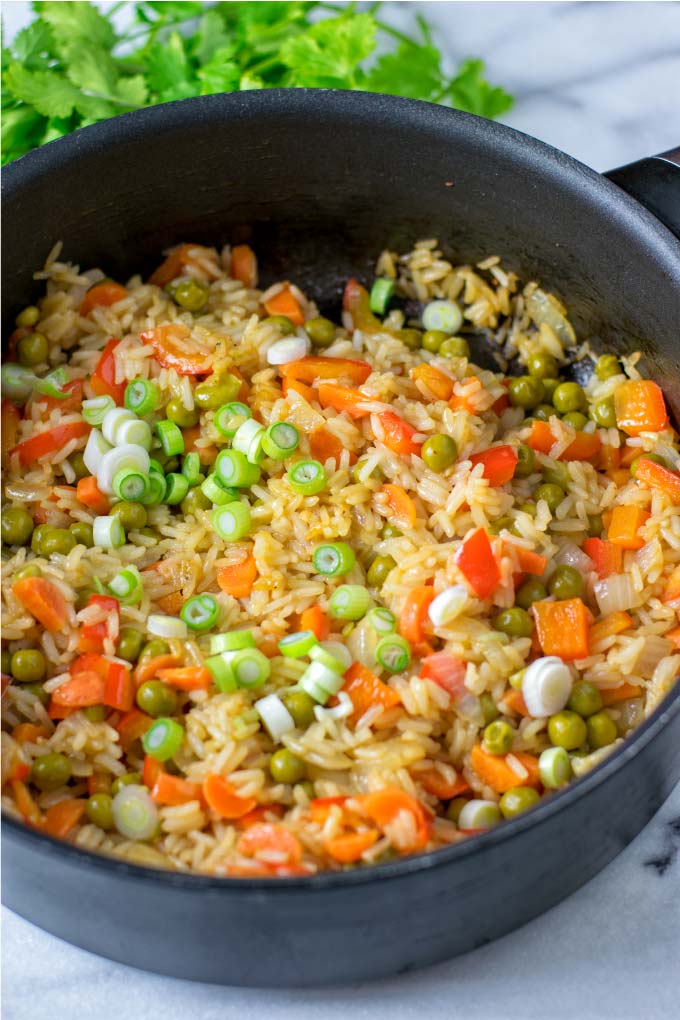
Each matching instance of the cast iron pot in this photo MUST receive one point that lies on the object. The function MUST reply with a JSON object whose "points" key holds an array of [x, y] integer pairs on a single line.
{"points": [[319, 182]]}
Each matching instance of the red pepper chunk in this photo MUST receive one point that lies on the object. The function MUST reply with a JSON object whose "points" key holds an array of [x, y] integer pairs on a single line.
{"points": [[103, 381], [44, 443], [119, 691], [477, 563], [93, 635], [398, 434], [499, 463]]}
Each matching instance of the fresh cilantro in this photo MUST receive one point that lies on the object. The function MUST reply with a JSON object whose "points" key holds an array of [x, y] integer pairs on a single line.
{"points": [[72, 66]]}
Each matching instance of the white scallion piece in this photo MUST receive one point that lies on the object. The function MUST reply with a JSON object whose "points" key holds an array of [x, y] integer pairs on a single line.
{"points": [[342, 710], [134, 813], [290, 348], [448, 605], [248, 440], [275, 716], [113, 419], [546, 686], [479, 814], [137, 433], [108, 532], [443, 315], [94, 451], [128, 456], [166, 626], [338, 651]]}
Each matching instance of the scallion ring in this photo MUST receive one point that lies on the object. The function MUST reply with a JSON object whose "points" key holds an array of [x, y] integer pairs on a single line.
{"points": [[248, 440], [393, 653], [334, 559], [171, 438], [141, 396], [200, 612], [307, 477], [113, 419], [127, 586], [382, 620], [294, 646], [250, 667], [232, 641], [349, 602], [166, 626], [381, 294], [96, 409], [320, 654], [280, 440], [191, 468], [218, 493], [176, 488], [130, 485], [220, 668], [107, 532], [163, 738], [137, 432], [232, 468], [232, 521], [229, 417], [134, 813]]}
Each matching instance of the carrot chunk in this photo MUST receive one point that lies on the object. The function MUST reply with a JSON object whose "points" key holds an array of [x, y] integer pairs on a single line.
{"points": [[413, 613], [656, 476], [562, 628], [640, 407], [238, 579], [349, 847], [625, 524], [244, 265], [102, 295], [222, 797], [402, 506], [285, 303], [495, 771], [43, 600], [366, 690], [61, 818]]}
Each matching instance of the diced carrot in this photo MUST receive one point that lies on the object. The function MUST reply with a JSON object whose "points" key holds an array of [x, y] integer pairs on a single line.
{"points": [[609, 626], [434, 782], [609, 458], [179, 259], [499, 463], [607, 558], [28, 733], [206, 454], [27, 807], [298, 387], [238, 579], [402, 506], [674, 636], [119, 692], [103, 379], [284, 303], [222, 797], [514, 700], [350, 846], [629, 454], [61, 818], [530, 562], [431, 378], [244, 265], [43, 600], [50, 441], [397, 435], [148, 668], [640, 407], [11, 416], [562, 628], [624, 692], [384, 806], [314, 619], [259, 814], [56, 711], [541, 437], [89, 494], [625, 524], [169, 343], [102, 295], [268, 837], [494, 770], [342, 398], [172, 790], [132, 726], [656, 476], [366, 690], [619, 476], [671, 590], [320, 807], [99, 782], [413, 613], [584, 446], [82, 690], [323, 445], [445, 670], [151, 770], [171, 603], [319, 367], [477, 563], [187, 678]]}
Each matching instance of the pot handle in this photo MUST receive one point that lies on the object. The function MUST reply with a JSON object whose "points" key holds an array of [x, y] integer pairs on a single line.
{"points": [[655, 183]]}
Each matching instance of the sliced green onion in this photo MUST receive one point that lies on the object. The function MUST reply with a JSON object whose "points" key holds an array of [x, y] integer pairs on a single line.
{"points": [[250, 667], [176, 488], [141, 396], [17, 381], [294, 646], [134, 813], [95, 410], [155, 491], [130, 484], [339, 651], [275, 716], [127, 586], [248, 440], [52, 384], [117, 458], [334, 559], [113, 419], [393, 653], [220, 668], [320, 682], [280, 440], [163, 738], [232, 641], [381, 294], [156, 466], [307, 477], [98, 586], [108, 533], [137, 432], [229, 417], [166, 626], [443, 315], [191, 468], [327, 659], [200, 612], [479, 814], [233, 468], [349, 602], [94, 451], [232, 521], [554, 767], [382, 620], [218, 493], [170, 435]]}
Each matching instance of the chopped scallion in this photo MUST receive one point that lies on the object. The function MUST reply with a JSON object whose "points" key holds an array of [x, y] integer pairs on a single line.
{"points": [[127, 586], [382, 620], [108, 533], [294, 646], [134, 813], [250, 667], [191, 468], [166, 626], [130, 484], [307, 477], [229, 417], [220, 667], [141, 396], [218, 493], [334, 559], [232, 468], [232, 521], [232, 641], [280, 440], [163, 738], [113, 419], [381, 294], [176, 488], [349, 602], [171, 438], [200, 612], [327, 659], [248, 440], [393, 653], [96, 409]]}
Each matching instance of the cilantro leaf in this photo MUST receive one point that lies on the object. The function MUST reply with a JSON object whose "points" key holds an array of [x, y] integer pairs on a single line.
{"points": [[96, 75], [329, 53], [76, 22], [470, 91], [21, 130], [34, 45], [48, 92], [168, 65], [412, 71], [220, 74], [210, 37]]}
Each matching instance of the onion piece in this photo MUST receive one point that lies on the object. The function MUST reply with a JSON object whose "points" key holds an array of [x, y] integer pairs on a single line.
{"points": [[572, 556], [543, 307], [479, 814], [449, 604], [127, 456], [166, 626], [546, 686], [290, 348], [112, 420], [615, 593], [653, 651], [275, 716]]}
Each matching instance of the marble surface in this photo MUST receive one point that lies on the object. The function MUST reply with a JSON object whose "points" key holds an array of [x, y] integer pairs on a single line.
{"points": [[598, 80]]}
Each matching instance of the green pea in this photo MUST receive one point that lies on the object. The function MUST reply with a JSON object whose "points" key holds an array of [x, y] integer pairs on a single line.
{"points": [[585, 699], [83, 597], [439, 452], [565, 582], [601, 730], [454, 347], [39, 538], [17, 526], [6, 661], [549, 387], [488, 706], [190, 294], [606, 366], [39, 692], [454, 808], [389, 531], [128, 779], [526, 461], [286, 326], [544, 412], [376, 474], [498, 737], [505, 523], [130, 641], [181, 415], [59, 541], [96, 713], [654, 457], [82, 533], [603, 413], [553, 495], [152, 649], [286, 767], [542, 365], [99, 811], [576, 419], [532, 590], [514, 622], [28, 317], [569, 396], [156, 698], [556, 473], [528, 508], [567, 729], [28, 665], [194, 500], [32, 350], [320, 331], [379, 569], [595, 525], [50, 771], [525, 391], [410, 337], [301, 707], [211, 395], [30, 570], [132, 516], [517, 800], [433, 339], [78, 464]]}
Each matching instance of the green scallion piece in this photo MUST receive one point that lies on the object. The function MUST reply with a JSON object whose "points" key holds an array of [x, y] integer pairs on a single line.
{"points": [[218, 493], [52, 384], [307, 477], [95, 410], [232, 521], [349, 602], [229, 417], [191, 468], [176, 488], [163, 738], [381, 295], [327, 659], [200, 612], [393, 653], [334, 559], [233, 468], [130, 485], [170, 435], [155, 492], [294, 646], [382, 620], [127, 586], [141, 396], [250, 667], [232, 641], [280, 440], [220, 667]]}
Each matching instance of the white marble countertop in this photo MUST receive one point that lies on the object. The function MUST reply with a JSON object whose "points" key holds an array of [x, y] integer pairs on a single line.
{"points": [[598, 80]]}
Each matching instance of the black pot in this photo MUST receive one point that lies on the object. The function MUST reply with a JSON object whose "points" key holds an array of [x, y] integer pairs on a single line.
{"points": [[319, 182]]}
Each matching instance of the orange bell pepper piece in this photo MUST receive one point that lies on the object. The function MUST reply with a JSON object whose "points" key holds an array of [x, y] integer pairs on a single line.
{"points": [[238, 579], [356, 301], [132, 726], [323, 445], [11, 416], [222, 797], [27, 807], [397, 434], [514, 700], [624, 692], [434, 782], [168, 344], [268, 837], [384, 806], [348, 848], [494, 770], [446, 671], [149, 668], [187, 678], [562, 628], [43, 600], [529, 562], [541, 438], [285, 303], [656, 476], [244, 265], [172, 790], [640, 407], [430, 379], [342, 398], [400, 503], [624, 527], [102, 294], [61, 818], [413, 613], [28, 733], [608, 626], [318, 367], [477, 563], [366, 690], [89, 494], [607, 558], [313, 618], [671, 590], [179, 259]]}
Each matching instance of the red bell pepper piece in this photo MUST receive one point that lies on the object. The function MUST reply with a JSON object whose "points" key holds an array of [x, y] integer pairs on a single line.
{"points": [[656, 476], [356, 301], [167, 342], [93, 635], [607, 558], [119, 692], [499, 463], [43, 443], [398, 434], [477, 563], [102, 295], [103, 380]]}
